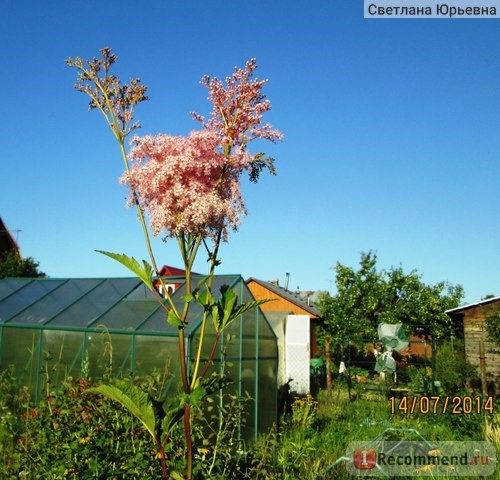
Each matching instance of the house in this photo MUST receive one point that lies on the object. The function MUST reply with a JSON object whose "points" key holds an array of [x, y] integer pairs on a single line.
{"points": [[173, 277], [7, 241], [478, 350], [292, 315]]}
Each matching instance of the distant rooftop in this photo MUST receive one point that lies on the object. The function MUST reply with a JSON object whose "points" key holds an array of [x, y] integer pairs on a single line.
{"points": [[486, 301], [303, 299]]}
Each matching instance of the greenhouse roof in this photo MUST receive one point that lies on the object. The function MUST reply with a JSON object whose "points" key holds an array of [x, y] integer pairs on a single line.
{"points": [[120, 305]]}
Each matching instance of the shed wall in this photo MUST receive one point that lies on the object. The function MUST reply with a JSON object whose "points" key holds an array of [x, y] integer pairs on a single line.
{"points": [[474, 334]]}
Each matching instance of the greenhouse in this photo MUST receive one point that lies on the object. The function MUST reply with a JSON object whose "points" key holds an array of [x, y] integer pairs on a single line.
{"points": [[52, 329]]}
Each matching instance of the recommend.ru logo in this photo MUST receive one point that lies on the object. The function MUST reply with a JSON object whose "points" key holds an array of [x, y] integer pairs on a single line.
{"points": [[420, 458]]}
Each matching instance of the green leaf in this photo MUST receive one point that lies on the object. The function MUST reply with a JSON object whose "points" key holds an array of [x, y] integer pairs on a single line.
{"points": [[194, 294], [196, 396], [173, 414], [228, 301], [145, 273], [174, 319], [131, 397], [188, 298], [214, 383], [228, 309]]}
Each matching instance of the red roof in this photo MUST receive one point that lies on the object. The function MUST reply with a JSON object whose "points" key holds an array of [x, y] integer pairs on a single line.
{"points": [[168, 271]]}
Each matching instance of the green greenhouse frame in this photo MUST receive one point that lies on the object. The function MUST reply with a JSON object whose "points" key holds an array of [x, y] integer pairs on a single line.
{"points": [[96, 328]]}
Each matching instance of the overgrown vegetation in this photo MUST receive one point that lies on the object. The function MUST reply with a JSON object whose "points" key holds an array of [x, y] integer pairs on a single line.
{"points": [[452, 368], [75, 434]]}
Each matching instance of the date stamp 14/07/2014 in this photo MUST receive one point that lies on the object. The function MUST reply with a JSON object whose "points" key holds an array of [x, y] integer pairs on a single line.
{"points": [[458, 405]]}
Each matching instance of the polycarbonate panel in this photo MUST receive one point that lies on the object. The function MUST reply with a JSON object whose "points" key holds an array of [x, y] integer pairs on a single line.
{"points": [[159, 357], [249, 323], [62, 357], [10, 285], [249, 337], [97, 302], [244, 292], [267, 400], [265, 330], [128, 314], [107, 355], [248, 380], [20, 348], [232, 340], [268, 348], [25, 297], [223, 280], [157, 323], [51, 305]]}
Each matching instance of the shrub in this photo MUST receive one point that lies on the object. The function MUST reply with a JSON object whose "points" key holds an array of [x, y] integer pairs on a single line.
{"points": [[452, 368], [71, 435]]}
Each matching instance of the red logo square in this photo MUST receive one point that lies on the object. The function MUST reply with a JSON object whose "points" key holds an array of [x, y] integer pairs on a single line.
{"points": [[364, 458]]}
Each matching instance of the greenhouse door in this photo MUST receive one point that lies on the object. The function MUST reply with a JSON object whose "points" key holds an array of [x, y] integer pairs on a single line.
{"points": [[297, 352]]}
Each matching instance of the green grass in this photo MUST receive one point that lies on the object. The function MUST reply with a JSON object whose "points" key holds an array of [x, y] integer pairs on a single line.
{"points": [[308, 451]]}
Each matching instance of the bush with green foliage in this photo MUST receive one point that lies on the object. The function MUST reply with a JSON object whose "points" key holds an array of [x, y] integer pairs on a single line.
{"points": [[81, 435], [452, 368], [13, 265], [71, 435]]}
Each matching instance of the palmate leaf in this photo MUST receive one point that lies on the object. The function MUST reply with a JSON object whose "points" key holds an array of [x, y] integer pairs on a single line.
{"points": [[144, 272], [230, 311], [135, 400], [225, 310]]}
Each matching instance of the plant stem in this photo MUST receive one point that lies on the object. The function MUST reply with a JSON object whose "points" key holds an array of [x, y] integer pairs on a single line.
{"points": [[189, 443], [211, 273], [163, 462], [211, 356], [182, 360]]}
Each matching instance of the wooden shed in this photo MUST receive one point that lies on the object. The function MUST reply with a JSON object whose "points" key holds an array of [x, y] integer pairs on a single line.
{"points": [[478, 349]]}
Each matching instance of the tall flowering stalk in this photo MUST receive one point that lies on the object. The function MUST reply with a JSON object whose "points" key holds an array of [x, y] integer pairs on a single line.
{"points": [[189, 189]]}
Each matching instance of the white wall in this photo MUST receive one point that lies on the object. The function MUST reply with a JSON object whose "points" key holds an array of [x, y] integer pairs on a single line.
{"points": [[297, 352]]}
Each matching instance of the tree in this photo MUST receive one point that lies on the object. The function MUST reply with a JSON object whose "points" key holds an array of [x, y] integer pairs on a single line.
{"points": [[13, 265], [367, 297], [351, 314], [422, 308]]}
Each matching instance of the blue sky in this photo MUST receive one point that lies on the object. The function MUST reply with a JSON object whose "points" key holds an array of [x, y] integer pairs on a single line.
{"points": [[392, 135]]}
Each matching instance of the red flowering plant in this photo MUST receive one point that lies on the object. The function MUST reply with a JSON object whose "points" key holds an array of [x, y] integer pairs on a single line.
{"points": [[189, 189]]}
